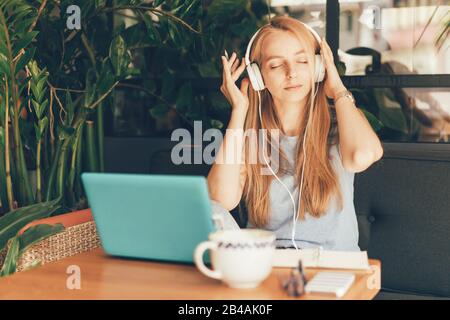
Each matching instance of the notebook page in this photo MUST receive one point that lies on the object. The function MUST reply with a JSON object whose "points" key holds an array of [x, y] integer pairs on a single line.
{"points": [[344, 260], [313, 258]]}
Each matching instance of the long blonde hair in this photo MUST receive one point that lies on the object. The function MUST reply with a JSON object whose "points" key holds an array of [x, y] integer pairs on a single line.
{"points": [[320, 181]]}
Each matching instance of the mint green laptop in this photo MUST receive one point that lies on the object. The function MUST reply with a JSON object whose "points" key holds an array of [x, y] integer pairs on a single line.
{"points": [[160, 217]]}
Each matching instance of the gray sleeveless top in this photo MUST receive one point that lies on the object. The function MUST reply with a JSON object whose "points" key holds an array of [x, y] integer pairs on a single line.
{"points": [[336, 230]]}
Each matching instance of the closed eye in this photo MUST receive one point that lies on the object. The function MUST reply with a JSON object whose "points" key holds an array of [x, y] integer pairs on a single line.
{"points": [[277, 66]]}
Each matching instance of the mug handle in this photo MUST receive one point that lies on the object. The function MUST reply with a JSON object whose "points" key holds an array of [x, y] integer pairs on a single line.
{"points": [[198, 259]]}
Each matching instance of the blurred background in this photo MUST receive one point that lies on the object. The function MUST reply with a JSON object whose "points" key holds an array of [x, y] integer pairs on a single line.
{"points": [[375, 39]]}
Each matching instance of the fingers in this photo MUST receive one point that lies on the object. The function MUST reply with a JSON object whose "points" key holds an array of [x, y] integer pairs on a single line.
{"points": [[232, 59], [235, 65], [239, 70], [231, 68], [226, 75]]}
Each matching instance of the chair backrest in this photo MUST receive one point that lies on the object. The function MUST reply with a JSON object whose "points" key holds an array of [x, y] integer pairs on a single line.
{"points": [[403, 217]]}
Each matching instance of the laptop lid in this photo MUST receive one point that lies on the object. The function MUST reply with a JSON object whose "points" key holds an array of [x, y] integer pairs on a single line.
{"points": [[161, 217]]}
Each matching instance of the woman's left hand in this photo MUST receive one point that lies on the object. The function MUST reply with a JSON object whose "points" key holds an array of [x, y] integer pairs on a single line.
{"points": [[332, 82]]}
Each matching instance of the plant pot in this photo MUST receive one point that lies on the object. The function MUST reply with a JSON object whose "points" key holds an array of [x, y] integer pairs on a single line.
{"points": [[79, 235]]}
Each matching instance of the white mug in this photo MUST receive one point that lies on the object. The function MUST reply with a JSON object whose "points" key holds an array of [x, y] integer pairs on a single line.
{"points": [[240, 258]]}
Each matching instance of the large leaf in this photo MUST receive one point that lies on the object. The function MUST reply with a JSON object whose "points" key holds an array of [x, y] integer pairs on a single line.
{"points": [[14, 220], [20, 243], [90, 88], [22, 27], [3, 48], [38, 233], [70, 108], [9, 265], [40, 128], [24, 42], [38, 85], [187, 7], [119, 56], [25, 58], [3, 194], [390, 112], [157, 3], [4, 66], [106, 78], [152, 32]]}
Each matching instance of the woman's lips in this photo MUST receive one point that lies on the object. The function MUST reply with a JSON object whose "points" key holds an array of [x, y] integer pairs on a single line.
{"points": [[293, 87]]}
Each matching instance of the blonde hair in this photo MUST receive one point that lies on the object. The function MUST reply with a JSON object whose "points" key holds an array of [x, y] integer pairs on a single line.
{"points": [[320, 181]]}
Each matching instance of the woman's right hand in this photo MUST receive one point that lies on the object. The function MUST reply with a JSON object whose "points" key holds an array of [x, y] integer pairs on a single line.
{"points": [[238, 98]]}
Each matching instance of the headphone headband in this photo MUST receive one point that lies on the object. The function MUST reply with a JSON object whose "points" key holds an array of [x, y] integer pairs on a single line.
{"points": [[250, 43]]}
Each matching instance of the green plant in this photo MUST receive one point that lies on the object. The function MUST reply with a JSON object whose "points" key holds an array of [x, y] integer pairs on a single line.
{"points": [[20, 243], [54, 83], [54, 86], [178, 74], [14, 220]]}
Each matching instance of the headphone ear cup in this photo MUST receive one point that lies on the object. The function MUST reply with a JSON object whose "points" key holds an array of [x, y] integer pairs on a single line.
{"points": [[319, 71], [255, 77]]}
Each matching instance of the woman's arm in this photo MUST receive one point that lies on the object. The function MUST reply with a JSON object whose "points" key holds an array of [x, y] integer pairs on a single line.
{"points": [[359, 144], [227, 175]]}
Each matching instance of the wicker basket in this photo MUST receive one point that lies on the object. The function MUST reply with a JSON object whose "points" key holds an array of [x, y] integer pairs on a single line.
{"points": [[73, 240]]}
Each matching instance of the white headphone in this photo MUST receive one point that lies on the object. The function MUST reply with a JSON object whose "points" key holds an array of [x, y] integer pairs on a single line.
{"points": [[254, 73], [257, 82]]}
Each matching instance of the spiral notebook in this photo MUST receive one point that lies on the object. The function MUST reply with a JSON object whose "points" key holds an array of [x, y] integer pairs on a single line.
{"points": [[319, 258]]}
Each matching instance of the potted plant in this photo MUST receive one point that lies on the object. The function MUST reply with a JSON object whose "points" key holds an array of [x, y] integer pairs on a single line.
{"points": [[54, 87]]}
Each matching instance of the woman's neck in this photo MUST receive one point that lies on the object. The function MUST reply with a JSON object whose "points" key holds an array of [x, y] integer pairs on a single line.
{"points": [[290, 115]]}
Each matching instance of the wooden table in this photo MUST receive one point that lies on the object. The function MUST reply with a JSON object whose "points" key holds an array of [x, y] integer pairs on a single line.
{"points": [[104, 277]]}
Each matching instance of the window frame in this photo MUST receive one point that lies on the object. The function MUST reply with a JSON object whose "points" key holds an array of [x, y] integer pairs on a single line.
{"points": [[376, 81], [434, 151]]}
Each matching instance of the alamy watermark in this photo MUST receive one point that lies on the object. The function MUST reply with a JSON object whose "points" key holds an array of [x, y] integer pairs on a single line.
{"points": [[371, 17], [233, 151], [73, 281], [73, 21]]}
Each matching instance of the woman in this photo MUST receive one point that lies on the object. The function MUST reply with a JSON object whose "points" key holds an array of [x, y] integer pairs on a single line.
{"points": [[292, 102]]}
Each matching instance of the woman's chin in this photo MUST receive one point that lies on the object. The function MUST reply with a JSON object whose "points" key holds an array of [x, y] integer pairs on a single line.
{"points": [[294, 96]]}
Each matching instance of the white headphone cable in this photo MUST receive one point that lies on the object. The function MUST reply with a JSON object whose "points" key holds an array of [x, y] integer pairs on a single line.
{"points": [[295, 215]]}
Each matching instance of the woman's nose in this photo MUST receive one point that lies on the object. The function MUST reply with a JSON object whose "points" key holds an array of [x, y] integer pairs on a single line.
{"points": [[291, 73]]}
